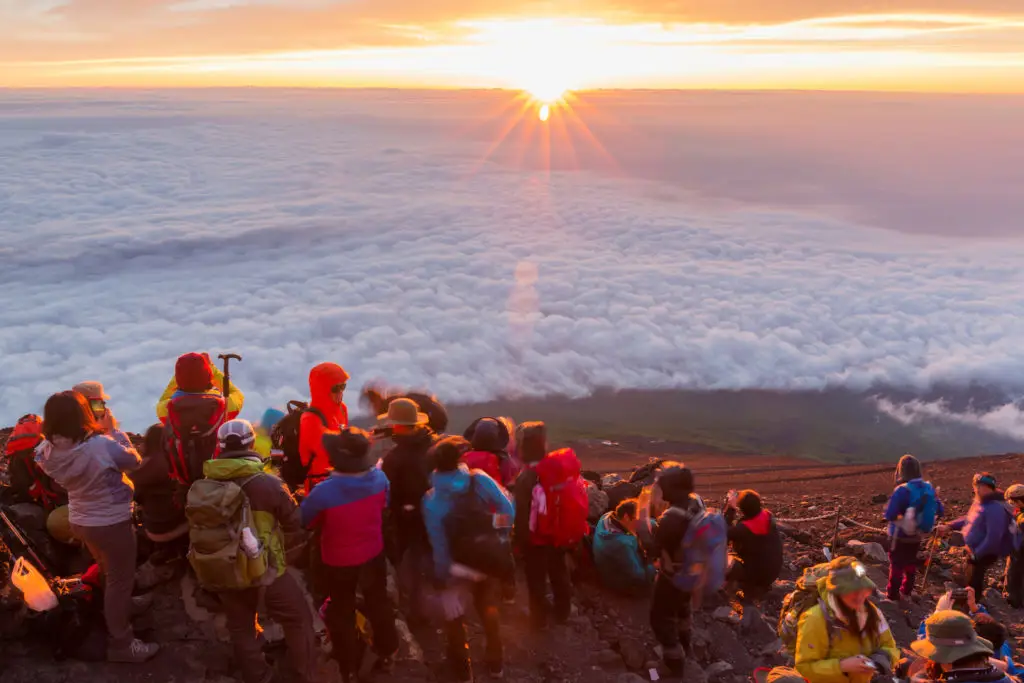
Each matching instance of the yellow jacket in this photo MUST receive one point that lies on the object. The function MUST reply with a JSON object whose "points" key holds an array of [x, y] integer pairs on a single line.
{"points": [[235, 397], [818, 655]]}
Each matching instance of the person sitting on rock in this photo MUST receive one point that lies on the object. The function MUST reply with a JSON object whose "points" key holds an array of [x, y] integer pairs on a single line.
{"points": [[954, 652], [844, 638], [986, 626], [621, 564], [986, 530], [1015, 571], [671, 609], [911, 501], [957, 599], [756, 559]]}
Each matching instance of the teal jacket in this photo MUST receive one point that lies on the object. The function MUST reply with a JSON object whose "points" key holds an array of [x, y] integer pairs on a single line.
{"points": [[618, 559]]}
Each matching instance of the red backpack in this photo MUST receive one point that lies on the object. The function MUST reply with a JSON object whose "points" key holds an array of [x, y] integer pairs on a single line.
{"points": [[192, 423], [29, 483], [558, 513]]}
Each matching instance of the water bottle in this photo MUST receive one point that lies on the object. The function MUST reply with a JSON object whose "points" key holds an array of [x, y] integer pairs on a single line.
{"points": [[250, 544]]}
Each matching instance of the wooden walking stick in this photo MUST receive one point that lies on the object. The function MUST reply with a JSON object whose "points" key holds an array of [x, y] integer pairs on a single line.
{"points": [[931, 555]]}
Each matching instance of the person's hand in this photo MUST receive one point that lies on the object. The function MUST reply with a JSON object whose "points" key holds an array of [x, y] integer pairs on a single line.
{"points": [[972, 600], [732, 499], [857, 665], [108, 422], [945, 602]]}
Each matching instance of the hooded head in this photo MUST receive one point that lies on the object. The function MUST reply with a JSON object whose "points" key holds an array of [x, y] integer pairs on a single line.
{"points": [[675, 481], [487, 434], [193, 373], [908, 469], [324, 380], [749, 503], [446, 454], [532, 441]]}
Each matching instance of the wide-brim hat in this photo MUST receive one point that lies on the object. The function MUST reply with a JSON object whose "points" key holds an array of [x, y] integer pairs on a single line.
{"points": [[950, 637], [1015, 492], [780, 674], [349, 451], [91, 390], [848, 576], [403, 412]]}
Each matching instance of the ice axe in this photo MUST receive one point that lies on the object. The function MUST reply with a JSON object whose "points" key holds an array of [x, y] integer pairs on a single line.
{"points": [[226, 357]]}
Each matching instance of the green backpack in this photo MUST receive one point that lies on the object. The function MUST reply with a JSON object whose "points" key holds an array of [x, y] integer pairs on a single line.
{"points": [[218, 512], [799, 601]]}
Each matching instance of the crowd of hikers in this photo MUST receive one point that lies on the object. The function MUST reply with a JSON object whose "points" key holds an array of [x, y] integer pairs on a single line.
{"points": [[455, 518]]}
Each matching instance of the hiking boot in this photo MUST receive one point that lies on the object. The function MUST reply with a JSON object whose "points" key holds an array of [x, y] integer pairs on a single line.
{"points": [[141, 603], [496, 670], [135, 653]]}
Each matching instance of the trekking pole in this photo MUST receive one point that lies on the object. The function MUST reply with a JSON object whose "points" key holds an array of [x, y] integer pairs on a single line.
{"points": [[40, 565], [226, 357], [931, 555]]}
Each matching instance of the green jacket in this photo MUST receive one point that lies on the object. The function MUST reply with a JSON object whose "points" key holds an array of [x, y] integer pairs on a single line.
{"points": [[274, 512], [818, 652]]}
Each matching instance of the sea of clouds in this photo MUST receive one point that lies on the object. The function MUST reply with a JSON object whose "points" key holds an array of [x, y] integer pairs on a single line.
{"points": [[389, 232]]}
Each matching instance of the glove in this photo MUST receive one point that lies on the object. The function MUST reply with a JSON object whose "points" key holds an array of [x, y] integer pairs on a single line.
{"points": [[881, 658]]}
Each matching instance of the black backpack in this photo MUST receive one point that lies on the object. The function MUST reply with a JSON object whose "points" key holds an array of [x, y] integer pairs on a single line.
{"points": [[473, 539], [285, 438]]}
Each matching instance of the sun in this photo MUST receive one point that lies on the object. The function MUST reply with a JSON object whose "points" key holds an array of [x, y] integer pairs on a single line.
{"points": [[547, 95]]}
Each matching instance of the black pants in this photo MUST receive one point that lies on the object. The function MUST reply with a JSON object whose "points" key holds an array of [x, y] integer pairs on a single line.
{"points": [[1015, 580], [543, 564], [671, 618], [342, 583], [485, 601], [754, 587], [976, 571]]}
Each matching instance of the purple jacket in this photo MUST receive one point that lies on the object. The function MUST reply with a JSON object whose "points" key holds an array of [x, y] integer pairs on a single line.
{"points": [[986, 528]]}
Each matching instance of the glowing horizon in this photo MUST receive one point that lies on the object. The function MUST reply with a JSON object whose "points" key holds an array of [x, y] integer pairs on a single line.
{"points": [[905, 51]]}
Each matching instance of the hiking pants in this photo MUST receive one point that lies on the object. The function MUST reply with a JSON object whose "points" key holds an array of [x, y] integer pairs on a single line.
{"points": [[976, 571], [342, 582], [485, 599], [286, 604], [1015, 580], [671, 618], [546, 563], [902, 568], [113, 547]]}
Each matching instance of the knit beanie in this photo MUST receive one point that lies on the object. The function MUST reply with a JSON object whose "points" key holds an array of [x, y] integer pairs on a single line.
{"points": [[193, 373], [532, 442], [676, 483]]}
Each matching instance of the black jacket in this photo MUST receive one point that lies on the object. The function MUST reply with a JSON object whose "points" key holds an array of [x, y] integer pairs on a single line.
{"points": [[756, 541], [522, 493], [160, 498]]}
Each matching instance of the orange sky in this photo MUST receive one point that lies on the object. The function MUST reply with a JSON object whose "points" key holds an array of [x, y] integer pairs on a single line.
{"points": [[544, 46]]}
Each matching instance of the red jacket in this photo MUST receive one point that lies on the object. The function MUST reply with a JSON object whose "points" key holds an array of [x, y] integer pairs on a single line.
{"points": [[312, 428]]}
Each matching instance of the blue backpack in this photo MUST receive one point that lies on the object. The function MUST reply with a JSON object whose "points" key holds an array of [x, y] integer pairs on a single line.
{"points": [[703, 555], [925, 505]]}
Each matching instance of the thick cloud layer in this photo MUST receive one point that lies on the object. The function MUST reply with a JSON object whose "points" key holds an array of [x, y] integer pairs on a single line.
{"points": [[374, 229]]}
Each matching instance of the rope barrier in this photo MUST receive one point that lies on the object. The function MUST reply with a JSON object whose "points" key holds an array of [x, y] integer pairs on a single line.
{"points": [[864, 526], [827, 515]]}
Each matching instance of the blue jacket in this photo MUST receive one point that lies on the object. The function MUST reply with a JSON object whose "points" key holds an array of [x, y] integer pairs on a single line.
{"points": [[438, 502], [897, 507], [617, 557], [986, 528]]}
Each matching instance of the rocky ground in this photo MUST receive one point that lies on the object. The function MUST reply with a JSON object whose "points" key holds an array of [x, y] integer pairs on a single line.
{"points": [[607, 639]]}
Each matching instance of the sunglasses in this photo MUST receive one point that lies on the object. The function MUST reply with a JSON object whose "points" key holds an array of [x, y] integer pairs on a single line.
{"points": [[338, 388]]}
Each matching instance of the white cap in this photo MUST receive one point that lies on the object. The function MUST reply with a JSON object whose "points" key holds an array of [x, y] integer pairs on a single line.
{"points": [[240, 429]]}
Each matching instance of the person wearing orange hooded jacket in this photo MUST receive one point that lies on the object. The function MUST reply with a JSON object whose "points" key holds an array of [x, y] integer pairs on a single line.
{"points": [[327, 413]]}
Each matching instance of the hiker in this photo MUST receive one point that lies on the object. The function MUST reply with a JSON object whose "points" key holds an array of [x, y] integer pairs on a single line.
{"points": [[255, 575], [550, 520], [348, 507], [91, 467], [621, 564], [327, 412], [954, 652], [912, 512], [671, 608], [489, 439], [29, 483], [998, 635], [378, 397], [195, 373], [960, 600], [756, 559], [1015, 571], [160, 498], [986, 530], [97, 398], [193, 407], [844, 638], [407, 468], [264, 443], [456, 494]]}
